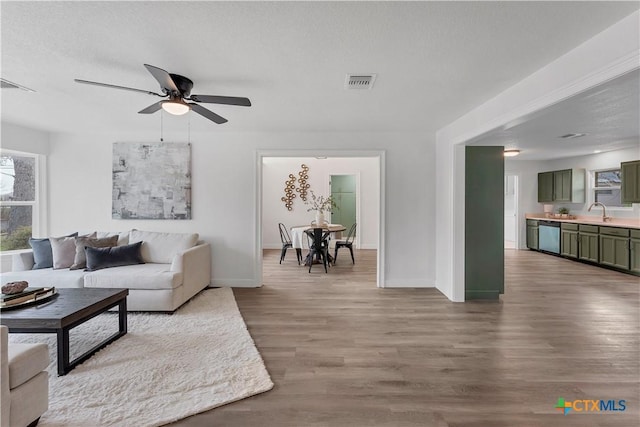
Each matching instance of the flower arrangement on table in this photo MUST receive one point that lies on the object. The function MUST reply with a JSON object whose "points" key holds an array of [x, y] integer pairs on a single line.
{"points": [[320, 204]]}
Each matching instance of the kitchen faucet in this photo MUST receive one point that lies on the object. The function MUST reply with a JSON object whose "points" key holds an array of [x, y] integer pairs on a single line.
{"points": [[605, 218]]}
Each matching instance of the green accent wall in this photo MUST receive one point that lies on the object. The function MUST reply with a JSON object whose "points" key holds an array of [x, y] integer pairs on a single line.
{"points": [[484, 222]]}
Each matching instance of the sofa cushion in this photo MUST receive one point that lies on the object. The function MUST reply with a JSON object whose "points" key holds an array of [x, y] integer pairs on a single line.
{"points": [[45, 277], [141, 276], [162, 247], [80, 258], [116, 256], [42, 254], [123, 236], [26, 361]]}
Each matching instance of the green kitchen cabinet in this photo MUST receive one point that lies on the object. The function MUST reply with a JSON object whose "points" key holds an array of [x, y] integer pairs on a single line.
{"points": [[634, 247], [545, 187], [588, 242], [562, 185], [630, 184], [532, 234], [569, 240], [567, 185], [614, 247]]}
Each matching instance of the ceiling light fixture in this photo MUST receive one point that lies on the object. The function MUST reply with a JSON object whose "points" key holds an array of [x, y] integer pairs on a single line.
{"points": [[597, 151], [511, 153], [177, 107]]}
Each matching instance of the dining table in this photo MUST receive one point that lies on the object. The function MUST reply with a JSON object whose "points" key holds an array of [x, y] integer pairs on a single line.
{"points": [[298, 236]]}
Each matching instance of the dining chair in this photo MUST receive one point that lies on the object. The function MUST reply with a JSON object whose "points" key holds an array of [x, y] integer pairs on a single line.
{"points": [[286, 243], [348, 243], [319, 247]]}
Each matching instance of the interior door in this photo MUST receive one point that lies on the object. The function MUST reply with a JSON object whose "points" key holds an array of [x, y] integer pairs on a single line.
{"points": [[343, 190]]}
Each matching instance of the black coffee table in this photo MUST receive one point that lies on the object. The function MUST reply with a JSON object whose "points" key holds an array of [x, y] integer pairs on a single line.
{"points": [[70, 308]]}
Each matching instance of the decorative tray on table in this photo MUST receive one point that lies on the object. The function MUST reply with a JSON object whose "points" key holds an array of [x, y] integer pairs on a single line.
{"points": [[26, 298]]}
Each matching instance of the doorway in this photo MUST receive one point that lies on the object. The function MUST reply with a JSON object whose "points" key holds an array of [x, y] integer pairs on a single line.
{"points": [[273, 168], [510, 211]]}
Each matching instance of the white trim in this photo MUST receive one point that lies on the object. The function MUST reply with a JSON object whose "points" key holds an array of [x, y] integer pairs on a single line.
{"points": [[260, 154], [233, 283]]}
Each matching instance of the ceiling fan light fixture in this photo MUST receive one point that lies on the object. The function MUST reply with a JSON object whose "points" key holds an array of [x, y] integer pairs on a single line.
{"points": [[511, 153], [177, 107]]}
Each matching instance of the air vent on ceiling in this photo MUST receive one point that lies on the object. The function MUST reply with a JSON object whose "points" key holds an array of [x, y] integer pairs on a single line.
{"points": [[6, 84], [572, 135], [359, 81]]}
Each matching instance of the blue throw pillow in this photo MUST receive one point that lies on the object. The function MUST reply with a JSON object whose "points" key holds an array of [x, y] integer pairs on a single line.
{"points": [[42, 254], [116, 256]]}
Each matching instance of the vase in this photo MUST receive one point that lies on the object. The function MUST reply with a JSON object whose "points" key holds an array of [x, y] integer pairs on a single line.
{"points": [[320, 218]]}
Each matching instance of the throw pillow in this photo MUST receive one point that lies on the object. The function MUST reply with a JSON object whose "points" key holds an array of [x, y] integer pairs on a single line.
{"points": [[42, 252], [63, 250], [42, 256], [80, 259], [116, 256]]}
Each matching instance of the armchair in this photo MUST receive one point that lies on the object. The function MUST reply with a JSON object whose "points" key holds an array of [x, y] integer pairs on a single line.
{"points": [[25, 382]]}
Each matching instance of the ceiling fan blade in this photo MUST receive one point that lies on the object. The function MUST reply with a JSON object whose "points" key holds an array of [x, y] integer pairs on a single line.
{"points": [[229, 100], [152, 108], [87, 82], [207, 113], [163, 77]]}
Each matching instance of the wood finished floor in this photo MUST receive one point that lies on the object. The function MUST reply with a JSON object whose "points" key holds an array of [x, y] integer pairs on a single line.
{"points": [[342, 352]]}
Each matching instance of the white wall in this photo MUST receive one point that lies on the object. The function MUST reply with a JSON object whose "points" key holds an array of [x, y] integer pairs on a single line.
{"points": [[276, 170], [609, 54], [19, 138], [224, 194]]}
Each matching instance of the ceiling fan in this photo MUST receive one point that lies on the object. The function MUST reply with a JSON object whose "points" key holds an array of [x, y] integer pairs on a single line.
{"points": [[177, 89]]}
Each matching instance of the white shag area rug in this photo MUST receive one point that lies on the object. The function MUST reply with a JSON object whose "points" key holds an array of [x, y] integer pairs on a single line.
{"points": [[167, 367]]}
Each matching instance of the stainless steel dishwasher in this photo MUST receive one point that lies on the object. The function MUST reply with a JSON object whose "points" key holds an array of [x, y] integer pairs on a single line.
{"points": [[549, 236]]}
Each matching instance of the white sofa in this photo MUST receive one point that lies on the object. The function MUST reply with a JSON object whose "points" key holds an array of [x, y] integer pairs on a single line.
{"points": [[177, 266], [25, 382]]}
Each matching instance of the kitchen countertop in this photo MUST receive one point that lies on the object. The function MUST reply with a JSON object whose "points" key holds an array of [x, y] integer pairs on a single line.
{"points": [[590, 220]]}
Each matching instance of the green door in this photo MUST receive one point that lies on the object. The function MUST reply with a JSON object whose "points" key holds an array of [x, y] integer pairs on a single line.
{"points": [[545, 187], [343, 190]]}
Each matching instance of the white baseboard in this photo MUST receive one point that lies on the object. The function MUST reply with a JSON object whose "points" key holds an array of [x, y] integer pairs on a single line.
{"points": [[413, 283], [235, 283]]}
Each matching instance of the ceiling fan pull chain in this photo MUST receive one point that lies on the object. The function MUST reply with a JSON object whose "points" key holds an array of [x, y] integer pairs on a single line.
{"points": [[161, 126], [189, 130]]}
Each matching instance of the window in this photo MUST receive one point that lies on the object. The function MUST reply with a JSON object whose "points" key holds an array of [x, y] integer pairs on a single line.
{"points": [[606, 188], [18, 199]]}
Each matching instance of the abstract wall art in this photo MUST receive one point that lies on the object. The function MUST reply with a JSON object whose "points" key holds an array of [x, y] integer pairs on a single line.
{"points": [[151, 181]]}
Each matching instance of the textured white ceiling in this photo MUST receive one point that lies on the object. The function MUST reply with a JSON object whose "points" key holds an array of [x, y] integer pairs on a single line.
{"points": [[434, 61], [608, 114]]}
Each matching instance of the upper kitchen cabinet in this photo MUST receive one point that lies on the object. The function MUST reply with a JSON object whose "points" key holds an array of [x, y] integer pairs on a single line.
{"points": [[565, 185], [630, 181]]}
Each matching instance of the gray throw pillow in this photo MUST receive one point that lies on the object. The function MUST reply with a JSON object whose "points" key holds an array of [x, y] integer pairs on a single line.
{"points": [[116, 256], [42, 252], [63, 250], [80, 260]]}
